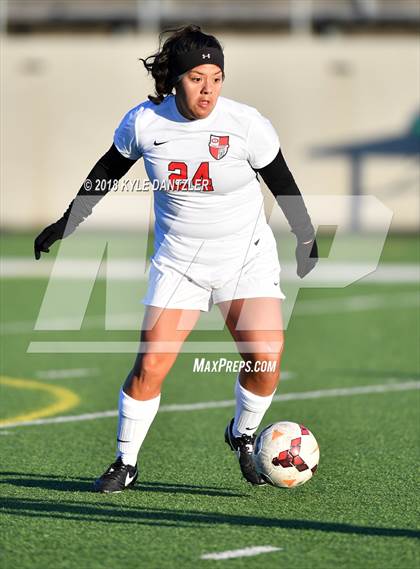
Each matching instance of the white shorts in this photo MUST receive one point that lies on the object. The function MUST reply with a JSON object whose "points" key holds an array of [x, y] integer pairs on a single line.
{"points": [[195, 274]]}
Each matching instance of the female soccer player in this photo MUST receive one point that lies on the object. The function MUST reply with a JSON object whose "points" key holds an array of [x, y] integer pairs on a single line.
{"points": [[212, 241]]}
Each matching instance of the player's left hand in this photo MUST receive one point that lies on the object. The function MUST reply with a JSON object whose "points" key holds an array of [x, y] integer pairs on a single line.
{"points": [[49, 236], [306, 257]]}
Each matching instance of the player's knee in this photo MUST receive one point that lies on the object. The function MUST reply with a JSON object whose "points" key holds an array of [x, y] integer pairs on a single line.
{"points": [[269, 356], [153, 367], [265, 366]]}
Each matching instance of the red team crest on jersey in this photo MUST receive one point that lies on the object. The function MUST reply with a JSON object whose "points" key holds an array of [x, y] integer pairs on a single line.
{"points": [[218, 146]]}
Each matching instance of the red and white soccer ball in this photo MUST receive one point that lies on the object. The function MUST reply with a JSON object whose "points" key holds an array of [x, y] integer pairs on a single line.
{"points": [[286, 454]]}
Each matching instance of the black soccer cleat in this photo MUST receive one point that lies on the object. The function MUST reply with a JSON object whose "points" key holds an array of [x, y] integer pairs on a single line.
{"points": [[243, 446], [117, 478]]}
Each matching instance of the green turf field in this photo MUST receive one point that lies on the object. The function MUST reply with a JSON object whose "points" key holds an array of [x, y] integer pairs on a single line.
{"points": [[360, 509]]}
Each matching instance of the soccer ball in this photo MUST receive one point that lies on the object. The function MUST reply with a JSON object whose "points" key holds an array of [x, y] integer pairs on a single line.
{"points": [[286, 454]]}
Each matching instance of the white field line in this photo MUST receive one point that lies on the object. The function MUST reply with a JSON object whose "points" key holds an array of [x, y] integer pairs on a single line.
{"points": [[111, 347], [182, 407], [133, 269], [66, 373], [89, 323], [286, 375], [247, 552], [355, 303], [89, 372]]}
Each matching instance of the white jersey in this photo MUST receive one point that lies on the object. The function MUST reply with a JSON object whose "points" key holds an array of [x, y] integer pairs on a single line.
{"points": [[204, 167]]}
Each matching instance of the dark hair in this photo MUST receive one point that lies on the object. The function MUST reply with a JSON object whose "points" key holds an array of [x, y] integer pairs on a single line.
{"points": [[182, 40]]}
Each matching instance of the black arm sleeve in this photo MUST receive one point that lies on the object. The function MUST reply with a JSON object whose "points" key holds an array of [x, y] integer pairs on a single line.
{"points": [[282, 185], [108, 170]]}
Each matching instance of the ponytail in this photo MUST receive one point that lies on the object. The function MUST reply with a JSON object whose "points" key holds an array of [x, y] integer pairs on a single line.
{"points": [[161, 64]]}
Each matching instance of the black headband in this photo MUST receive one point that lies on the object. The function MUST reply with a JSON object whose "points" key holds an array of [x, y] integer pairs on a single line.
{"points": [[186, 61]]}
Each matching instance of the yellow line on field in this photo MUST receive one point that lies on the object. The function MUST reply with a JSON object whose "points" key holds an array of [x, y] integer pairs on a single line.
{"points": [[65, 399]]}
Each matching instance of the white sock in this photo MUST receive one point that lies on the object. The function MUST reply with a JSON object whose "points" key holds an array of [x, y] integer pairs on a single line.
{"points": [[250, 410], [135, 418]]}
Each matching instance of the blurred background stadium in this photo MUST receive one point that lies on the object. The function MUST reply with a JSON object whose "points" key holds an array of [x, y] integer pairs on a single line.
{"points": [[339, 79]]}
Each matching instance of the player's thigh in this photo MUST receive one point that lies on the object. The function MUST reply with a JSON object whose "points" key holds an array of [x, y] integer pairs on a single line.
{"points": [[172, 324], [255, 324]]}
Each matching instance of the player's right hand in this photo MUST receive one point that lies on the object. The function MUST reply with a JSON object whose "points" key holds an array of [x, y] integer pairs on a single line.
{"points": [[48, 237]]}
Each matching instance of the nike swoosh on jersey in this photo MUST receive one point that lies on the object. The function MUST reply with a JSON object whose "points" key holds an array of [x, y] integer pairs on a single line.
{"points": [[159, 143]]}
